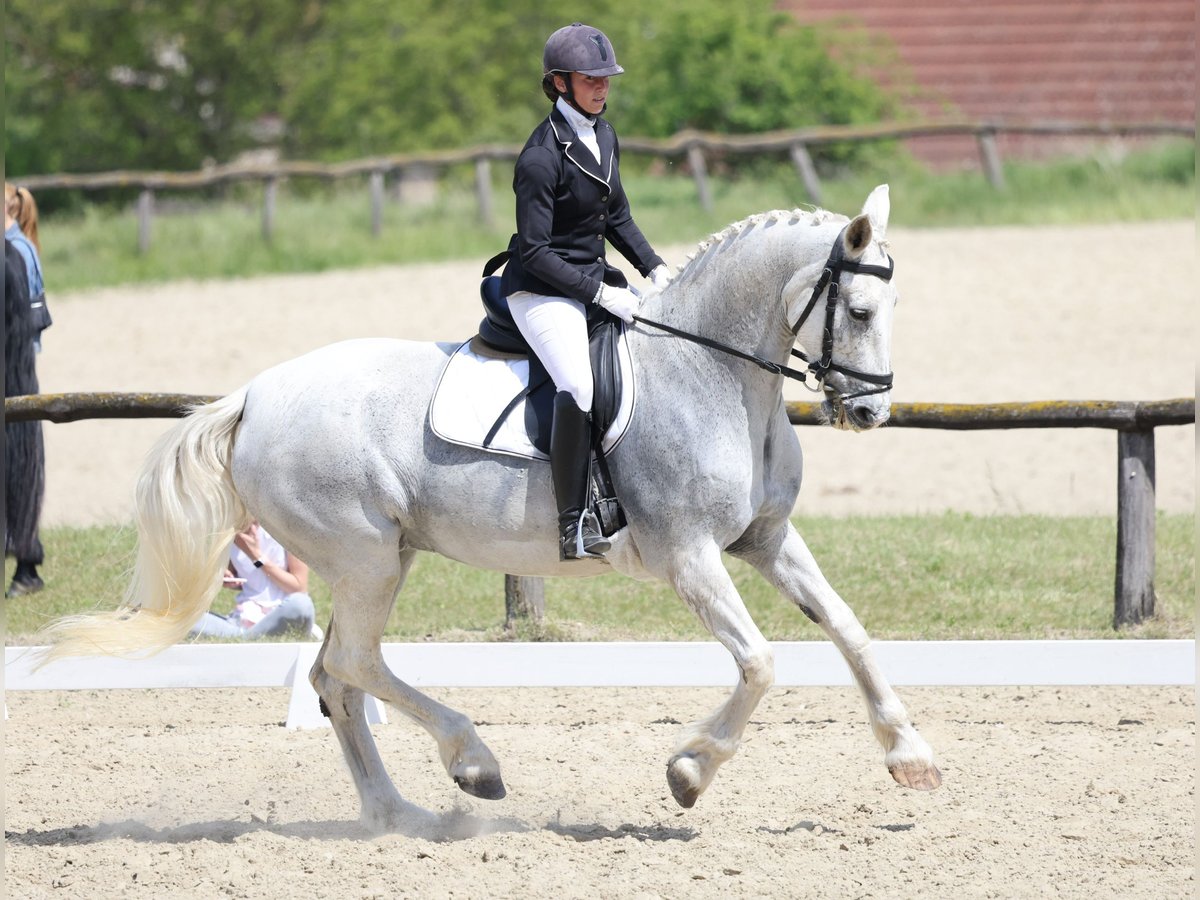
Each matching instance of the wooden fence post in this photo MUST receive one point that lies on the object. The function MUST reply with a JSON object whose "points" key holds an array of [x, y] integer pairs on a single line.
{"points": [[1135, 527], [989, 153], [524, 599], [270, 189], [808, 172], [483, 190], [695, 158], [375, 183], [145, 212]]}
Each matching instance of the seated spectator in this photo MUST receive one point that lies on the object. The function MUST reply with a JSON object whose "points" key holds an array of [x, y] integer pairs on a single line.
{"points": [[272, 587]]}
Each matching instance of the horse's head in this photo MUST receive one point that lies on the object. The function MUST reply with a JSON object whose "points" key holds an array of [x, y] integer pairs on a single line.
{"points": [[853, 326]]}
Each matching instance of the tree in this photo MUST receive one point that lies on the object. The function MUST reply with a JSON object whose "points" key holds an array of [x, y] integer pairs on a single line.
{"points": [[107, 84]]}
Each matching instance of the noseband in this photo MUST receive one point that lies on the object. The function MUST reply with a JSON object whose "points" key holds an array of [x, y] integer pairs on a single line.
{"points": [[830, 277]]}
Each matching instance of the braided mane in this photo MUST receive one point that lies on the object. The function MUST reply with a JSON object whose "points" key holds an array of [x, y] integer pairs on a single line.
{"points": [[730, 233]]}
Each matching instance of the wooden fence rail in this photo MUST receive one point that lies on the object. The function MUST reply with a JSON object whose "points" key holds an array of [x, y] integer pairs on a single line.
{"points": [[1134, 421], [693, 146]]}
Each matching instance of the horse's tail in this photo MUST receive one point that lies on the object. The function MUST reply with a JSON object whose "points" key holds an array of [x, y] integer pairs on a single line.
{"points": [[187, 513]]}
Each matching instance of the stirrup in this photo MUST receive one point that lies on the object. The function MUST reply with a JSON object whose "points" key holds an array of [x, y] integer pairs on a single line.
{"points": [[582, 539]]}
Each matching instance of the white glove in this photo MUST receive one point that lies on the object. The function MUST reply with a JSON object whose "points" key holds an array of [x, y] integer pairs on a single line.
{"points": [[660, 277], [621, 302]]}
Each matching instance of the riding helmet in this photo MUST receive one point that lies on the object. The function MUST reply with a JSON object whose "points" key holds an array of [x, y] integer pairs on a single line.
{"points": [[580, 48]]}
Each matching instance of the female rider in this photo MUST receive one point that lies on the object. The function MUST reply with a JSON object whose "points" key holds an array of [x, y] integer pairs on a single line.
{"points": [[569, 200]]}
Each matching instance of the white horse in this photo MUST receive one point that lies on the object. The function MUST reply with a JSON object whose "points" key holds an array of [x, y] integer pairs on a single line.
{"points": [[334, 454]]}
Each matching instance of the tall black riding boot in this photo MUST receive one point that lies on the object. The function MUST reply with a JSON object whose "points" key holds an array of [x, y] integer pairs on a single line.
{"points": [[570, 461]]}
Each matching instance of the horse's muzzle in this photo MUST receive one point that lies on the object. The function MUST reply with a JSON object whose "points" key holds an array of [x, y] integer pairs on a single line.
{"points": [[854, 414]]}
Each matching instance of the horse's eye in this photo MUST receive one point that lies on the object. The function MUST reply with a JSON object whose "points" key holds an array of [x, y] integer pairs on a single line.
{"points": [[860, 315]]}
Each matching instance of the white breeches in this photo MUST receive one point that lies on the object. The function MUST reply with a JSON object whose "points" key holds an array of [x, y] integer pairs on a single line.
{"points": [[556, 329]]}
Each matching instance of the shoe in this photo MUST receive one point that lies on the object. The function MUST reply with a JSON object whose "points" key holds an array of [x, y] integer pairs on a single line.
{"points": [[19, 588], [582, 539]]}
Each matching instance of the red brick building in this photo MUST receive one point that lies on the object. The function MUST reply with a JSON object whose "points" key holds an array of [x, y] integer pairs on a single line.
{"points": [[1032, 60]]}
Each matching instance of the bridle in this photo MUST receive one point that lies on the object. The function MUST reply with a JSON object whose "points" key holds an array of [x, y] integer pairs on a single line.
{"points": [[820, 369]]}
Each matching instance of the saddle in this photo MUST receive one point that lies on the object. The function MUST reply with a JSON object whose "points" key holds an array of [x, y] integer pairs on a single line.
{"points": [[495, 394]]}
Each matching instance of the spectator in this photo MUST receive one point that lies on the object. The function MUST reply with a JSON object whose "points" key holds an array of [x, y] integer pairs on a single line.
{"points": [[272, 589], [24, 452], [21, 227]]}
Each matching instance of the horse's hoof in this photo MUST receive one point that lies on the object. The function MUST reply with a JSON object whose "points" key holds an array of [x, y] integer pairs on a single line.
{"points": [[683, 777], [917, 776], [490, 787]]}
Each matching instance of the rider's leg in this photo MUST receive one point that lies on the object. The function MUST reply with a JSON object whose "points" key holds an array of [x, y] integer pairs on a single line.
{"points": [[570, 459], [556, 329]]}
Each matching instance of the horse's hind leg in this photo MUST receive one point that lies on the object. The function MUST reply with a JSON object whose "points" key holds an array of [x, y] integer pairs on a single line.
{"points": [[703, 583], [352, 655], [788, 564], [382, 805]]}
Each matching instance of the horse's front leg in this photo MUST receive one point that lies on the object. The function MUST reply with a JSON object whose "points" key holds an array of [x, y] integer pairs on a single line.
{"points": [[702, 582], [788, 564]]}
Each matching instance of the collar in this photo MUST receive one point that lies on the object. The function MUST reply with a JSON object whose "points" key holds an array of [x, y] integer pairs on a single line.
{"points": [[573, 147], [574, 117]]}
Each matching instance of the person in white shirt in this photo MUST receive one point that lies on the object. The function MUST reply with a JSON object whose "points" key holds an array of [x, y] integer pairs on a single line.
{"points": [[272, 589]]}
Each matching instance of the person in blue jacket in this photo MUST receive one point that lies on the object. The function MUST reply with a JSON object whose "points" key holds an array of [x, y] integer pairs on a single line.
{"points": [[569, 205]]}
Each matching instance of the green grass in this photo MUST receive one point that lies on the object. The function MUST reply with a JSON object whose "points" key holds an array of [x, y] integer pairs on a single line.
{"points": [[320, 227], [907, 577]]}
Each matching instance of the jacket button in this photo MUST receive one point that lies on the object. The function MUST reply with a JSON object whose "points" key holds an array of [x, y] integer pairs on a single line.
{"points": [[601, 217], [599, 259], [599, 237], [604, 199]]}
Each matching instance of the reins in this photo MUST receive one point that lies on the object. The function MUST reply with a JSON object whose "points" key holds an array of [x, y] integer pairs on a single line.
{"points": [[829, 280]]}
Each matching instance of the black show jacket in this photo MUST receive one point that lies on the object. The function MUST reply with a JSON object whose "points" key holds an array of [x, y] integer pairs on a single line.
{"points": [[567, 207]]}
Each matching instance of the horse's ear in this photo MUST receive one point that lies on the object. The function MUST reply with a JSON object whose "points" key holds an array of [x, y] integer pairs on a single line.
{"points": [[858, 236], [879, 207]]}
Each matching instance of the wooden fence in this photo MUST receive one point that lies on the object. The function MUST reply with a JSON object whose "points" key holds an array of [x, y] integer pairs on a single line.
{"points": [[1134, 422], [694, 146]]}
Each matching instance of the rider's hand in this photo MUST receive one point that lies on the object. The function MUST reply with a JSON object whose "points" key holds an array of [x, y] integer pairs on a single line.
{"points": [[660, 277], [621, 302]]}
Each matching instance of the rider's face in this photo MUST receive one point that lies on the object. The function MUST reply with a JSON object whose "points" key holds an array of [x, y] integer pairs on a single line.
{"points": [[591, 92]]}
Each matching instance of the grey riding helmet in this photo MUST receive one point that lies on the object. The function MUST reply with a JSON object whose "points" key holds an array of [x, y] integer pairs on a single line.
{"points": [[580, 48]]}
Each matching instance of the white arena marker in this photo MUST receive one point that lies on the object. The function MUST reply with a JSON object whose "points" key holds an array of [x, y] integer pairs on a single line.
{"points": [[629, 664], [304, 709]]}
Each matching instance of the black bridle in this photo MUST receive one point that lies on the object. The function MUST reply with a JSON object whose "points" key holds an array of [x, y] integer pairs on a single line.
{"points": [[829, 281]]}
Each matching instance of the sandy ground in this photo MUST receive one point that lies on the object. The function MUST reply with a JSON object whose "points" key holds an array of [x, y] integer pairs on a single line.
{"points": [[1071, 793], [986, 315], [1067, 793]]}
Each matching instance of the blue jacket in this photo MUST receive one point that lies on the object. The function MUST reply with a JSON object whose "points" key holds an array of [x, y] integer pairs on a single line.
{"points": [[33, 266], [568, 208]]}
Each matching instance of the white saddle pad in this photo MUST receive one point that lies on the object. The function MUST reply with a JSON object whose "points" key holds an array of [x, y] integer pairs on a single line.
{"points": [[473, 391]]}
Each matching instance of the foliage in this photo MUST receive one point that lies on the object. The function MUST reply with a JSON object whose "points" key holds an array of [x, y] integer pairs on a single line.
{"points": [[737, 68], [944, 577], [95, 85]]}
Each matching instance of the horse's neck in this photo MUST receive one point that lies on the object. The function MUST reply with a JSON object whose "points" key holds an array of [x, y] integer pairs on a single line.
{"points": [[732, 293]]}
